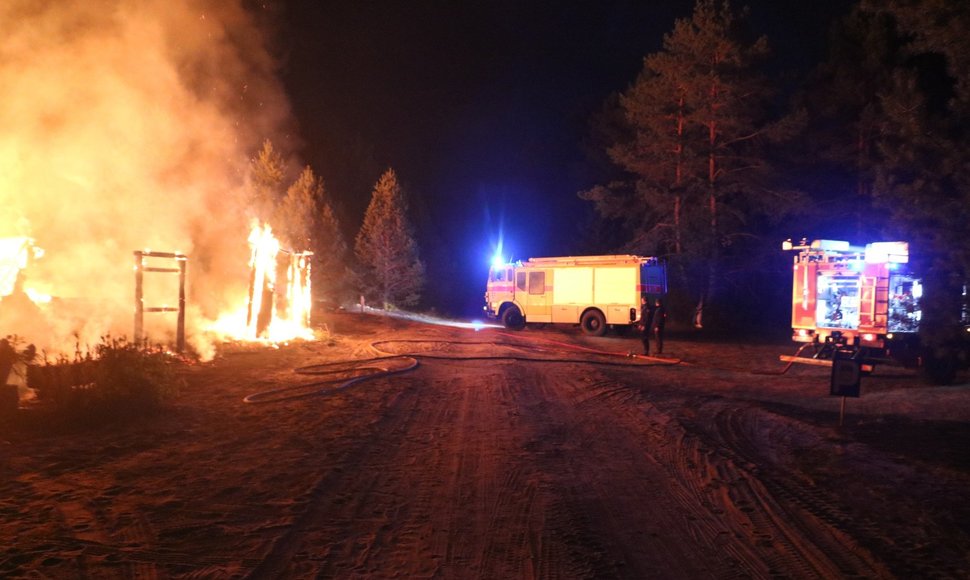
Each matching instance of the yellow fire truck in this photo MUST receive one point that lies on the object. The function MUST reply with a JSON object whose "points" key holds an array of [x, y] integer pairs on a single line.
{"points": [[592, 291], [859, 298]]}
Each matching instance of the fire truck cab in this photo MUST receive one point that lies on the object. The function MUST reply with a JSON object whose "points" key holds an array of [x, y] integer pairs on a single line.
{"points": [[860, 298], [592, 291]]}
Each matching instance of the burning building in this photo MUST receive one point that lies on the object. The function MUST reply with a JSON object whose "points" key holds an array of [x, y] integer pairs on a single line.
{"points": [[126, 126]]}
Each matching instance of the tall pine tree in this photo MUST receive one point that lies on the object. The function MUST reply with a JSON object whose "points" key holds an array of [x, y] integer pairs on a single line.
{"points": [[923, 173], [696, 150], [387, 253], [840, 145]]}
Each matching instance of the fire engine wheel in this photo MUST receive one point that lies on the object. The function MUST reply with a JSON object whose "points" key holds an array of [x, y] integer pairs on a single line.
{"points": [[512, 318], [593, 323]]}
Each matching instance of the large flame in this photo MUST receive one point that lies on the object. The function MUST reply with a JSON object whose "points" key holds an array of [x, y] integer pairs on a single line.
{"points": [[127, 125], [15, 253], [278, 308]]}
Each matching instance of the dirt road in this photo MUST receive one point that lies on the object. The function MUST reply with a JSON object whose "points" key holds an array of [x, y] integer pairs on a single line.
{"points": [[501, 456]]}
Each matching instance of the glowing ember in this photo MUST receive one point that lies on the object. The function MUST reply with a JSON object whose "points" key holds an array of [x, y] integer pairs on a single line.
{"points": [[278, 308]]}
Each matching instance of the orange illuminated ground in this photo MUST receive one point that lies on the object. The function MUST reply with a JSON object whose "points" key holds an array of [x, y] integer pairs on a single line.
{"points": [[467, 467]]}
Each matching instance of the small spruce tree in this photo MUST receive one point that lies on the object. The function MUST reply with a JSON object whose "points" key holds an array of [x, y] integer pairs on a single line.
{"points": [[267, 171], [332, 276], [387, 253], [294, 216]]}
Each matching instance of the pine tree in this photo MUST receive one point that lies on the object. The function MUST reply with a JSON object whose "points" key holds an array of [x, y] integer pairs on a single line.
{"points": [[267, 171], [842, 97], [923, 177], [658, 153], [392, 273], [332, 275], [696, 149], [294, 217], [306, 220]]}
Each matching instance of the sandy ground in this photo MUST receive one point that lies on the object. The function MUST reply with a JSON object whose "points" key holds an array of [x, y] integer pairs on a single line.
{"points": [[501, 455]]}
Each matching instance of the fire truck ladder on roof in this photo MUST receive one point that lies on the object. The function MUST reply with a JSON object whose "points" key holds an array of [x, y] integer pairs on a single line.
{"points": [[141, 309]]}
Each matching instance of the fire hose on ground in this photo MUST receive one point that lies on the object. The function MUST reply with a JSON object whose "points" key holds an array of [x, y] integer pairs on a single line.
{"points": [[344, 374]]}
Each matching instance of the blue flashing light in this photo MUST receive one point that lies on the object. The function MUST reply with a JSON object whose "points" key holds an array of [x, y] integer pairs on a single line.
{"points": [[893, 265], [497, 260], [856, 265]]}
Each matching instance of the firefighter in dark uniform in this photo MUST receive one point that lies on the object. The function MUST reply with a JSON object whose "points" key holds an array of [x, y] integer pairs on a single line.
{"points": [[646, 323], [659, 321]]}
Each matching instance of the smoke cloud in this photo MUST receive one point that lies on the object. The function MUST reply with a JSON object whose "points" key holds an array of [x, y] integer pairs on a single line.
{"points": [[128, 126]]}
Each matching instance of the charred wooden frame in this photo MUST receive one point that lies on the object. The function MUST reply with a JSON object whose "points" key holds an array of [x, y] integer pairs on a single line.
{"points": [[140, 308]]}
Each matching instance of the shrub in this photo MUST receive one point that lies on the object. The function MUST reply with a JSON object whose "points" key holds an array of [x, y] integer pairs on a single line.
{"points": [[120, 379], [132, 377]]}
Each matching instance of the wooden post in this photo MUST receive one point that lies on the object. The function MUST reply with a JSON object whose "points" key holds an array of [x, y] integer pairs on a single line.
{"points": [[252, 294], [139, 298], [264, 317], [180, 328]]}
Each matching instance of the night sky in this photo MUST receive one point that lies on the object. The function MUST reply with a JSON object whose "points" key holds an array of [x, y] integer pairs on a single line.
{"points": [[482, 109]]}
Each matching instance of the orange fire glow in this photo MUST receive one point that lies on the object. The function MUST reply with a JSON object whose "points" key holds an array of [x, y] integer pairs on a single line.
{"points": [[15, 253], [127, 125]]}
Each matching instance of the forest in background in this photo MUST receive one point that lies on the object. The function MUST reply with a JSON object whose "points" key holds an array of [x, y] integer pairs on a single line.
{"points": [[710, 163], [717, 151]]}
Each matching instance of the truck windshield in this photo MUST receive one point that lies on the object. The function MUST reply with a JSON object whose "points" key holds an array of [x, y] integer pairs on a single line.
{"points": [[496, 275]]}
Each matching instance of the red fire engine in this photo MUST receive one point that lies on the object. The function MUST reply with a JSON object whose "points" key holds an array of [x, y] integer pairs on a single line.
{"points": [[859, 298]]}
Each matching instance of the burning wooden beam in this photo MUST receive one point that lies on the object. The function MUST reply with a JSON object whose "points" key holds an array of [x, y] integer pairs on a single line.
{"points": [[279, 285]]}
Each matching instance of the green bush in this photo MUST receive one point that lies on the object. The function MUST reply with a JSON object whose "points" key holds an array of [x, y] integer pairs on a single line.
{"points": [[132, 377], [119, 380]]}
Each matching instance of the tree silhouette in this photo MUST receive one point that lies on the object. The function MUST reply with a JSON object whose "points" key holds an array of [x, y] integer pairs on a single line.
{"points": [[387, 253], [842, 97], [922, 173], [695, 146]]}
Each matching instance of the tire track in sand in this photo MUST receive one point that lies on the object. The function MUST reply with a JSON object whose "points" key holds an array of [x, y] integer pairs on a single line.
{"points": [[722, 499], [757, 437], [436, 487]]}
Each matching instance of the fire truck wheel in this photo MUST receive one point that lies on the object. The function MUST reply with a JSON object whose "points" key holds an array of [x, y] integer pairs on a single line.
{"points": [[593, 323], [512, 318]]}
